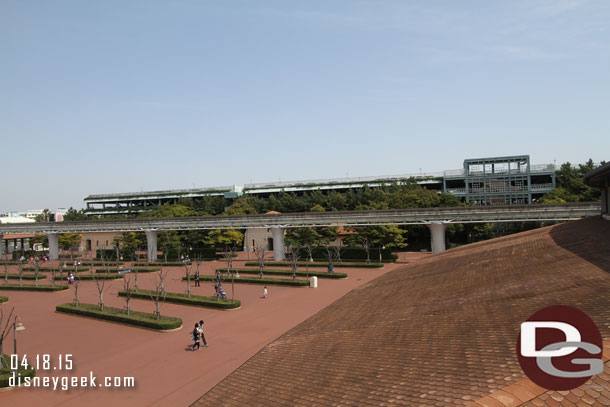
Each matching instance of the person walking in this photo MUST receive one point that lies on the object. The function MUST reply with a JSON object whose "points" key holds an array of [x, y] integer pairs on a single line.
{"points": [[196, 338], [197, 284], [200, 329], [265, 292]]}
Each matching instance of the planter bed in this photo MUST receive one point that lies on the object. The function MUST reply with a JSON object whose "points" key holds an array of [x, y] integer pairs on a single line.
{"points": [[7, 373], [67, 269], [253, 280], [178, 298], [276, 272], [133, 270], [167, 264], [136, 318], [44, 288], [99, 263], [114, 276], [24, 277], [319, 264], [3, 299]]}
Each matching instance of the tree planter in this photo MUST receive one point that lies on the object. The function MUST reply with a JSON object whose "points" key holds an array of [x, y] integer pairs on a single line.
{"points": [[135, 318], [195, 300]]}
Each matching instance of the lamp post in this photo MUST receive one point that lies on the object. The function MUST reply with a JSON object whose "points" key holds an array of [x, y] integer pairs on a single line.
{"points": [[16, 327]]}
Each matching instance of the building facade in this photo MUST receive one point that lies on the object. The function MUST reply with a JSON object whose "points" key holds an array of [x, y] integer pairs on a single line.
{"points": [[509, 180]]}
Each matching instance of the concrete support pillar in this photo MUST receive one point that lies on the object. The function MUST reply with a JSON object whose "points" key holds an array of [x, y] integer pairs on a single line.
{"points": [[2, 246], [437, 236], [151, 239], [53, 246], [278, 243]]}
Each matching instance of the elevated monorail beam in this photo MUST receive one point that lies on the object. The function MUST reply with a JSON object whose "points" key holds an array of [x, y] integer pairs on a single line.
{"points": [[474, 214]]}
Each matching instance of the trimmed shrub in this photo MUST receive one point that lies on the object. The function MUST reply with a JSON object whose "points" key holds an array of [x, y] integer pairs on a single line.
{"points": [[276, 272], [133, 269], [195, 300], [99, 263], [24, 277], [319, 264], [7, 373], [114, 276], [161, 263], [3, 299], [136, 318], [351, 254], [253, 280], [67, 269], [45, 288]]}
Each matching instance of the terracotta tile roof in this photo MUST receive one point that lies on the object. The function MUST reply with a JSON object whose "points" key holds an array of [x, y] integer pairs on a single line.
{"points": [[438, 332], [17, 236]]}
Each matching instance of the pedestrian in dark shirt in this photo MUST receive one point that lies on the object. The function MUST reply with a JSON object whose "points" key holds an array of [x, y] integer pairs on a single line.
{"points": [[197, 284], [196, 338], [205, 344]]}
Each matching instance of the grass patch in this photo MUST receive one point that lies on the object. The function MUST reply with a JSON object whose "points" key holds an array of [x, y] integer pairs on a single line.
{"points": [[256, 280], [24, 277], [44, 288], [99, 263], [6, 373], [114, 276], [319, 274], [196, 300], [133, 270], [136, 318], [320, 264], [56, 269]]}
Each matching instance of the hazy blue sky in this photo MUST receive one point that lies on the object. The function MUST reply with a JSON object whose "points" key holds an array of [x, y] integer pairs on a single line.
{"points": [[122, 96]]}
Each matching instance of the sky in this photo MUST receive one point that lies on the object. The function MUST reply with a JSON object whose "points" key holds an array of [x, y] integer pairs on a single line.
{"points": [[128, 96]]}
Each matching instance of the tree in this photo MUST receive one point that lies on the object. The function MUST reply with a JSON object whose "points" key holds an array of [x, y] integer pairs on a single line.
{"points": [[45, 216], [293, 256], [73, 215], [5, 271], [558, 196], [188, 266], [20, 271], [228, 255], [259, 252], [4, 333], [158, 294], [225, 237], [240, 207], [69, 241], [127, 288], [100, 283], [36, 263], [379, 236]]}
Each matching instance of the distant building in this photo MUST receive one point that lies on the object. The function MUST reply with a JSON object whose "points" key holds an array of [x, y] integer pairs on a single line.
{"points": [[511, 180]]}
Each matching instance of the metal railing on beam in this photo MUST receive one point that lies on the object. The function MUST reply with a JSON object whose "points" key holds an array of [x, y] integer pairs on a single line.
{"points": [[474, 214]]}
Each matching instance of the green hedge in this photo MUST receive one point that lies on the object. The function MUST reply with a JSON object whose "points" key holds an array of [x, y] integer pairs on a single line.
{"points": [[67, 269], [45, 288], [99, 263], [319, 264], [160, 263], [351, 254], [136, 318], [24, 277], [114, 276], [7, 373], [196, 300], [133, 269], [275, 272], [3, 299], [264, 280]]}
